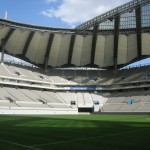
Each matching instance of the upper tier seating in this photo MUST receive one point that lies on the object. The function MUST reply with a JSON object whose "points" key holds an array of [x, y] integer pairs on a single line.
{"points": [[80, 76]]}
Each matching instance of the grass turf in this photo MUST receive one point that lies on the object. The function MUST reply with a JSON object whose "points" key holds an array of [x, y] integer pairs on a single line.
{"points": [[75, 132]]}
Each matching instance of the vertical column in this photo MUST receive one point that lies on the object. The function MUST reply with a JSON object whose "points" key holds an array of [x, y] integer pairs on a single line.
{"points": [[138, 31], [29, 39], [48, 49], [72, 41], [94, 41], [2, 51], [116, 39]]}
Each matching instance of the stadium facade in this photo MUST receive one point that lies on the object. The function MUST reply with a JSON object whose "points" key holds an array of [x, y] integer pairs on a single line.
{"points": [[69, 78]]}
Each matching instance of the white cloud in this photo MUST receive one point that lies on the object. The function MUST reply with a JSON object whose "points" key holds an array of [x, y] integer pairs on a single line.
{"points": [[75, 12], [48, 13]]}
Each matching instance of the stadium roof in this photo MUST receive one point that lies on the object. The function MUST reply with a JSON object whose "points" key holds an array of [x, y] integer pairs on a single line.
{"points": [[115, 38]]}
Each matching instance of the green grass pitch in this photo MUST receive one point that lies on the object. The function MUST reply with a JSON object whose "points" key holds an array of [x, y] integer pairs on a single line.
{"points": [[75, 132]]}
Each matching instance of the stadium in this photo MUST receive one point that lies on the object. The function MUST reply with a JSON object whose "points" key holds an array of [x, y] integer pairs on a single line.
{"points": [[77, 71]]}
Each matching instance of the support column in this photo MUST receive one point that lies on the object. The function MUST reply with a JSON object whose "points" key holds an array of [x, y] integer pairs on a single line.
{"points": [[48, 49], [29, 39], [2, 51], [138, 31], [72, 41], [94, 41], [116, 40]]}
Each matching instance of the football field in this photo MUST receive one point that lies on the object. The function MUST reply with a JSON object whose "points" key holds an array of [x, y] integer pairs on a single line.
{"points": [[75, 132]]}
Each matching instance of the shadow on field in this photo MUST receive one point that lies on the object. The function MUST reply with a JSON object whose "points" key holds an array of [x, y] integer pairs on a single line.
{"points": [[76, 132]]}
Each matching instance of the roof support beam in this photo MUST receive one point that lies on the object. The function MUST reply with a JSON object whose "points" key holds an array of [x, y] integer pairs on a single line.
{"points": [[4, 42], [2, 51], [118, 10], [6, 38], [48, 49], [138, 31], [72, 41], [116, 39], [29, 39], [94, 41]]}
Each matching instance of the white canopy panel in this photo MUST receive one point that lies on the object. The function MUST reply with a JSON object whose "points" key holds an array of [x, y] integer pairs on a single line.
{"points": [[115, 38]]}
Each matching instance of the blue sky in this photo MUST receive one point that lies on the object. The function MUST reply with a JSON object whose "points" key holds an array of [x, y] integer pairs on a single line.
{"points": [[56, 13], [29, 11]]}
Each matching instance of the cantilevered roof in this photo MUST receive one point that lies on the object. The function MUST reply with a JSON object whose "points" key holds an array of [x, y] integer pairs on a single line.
{"points": [[115, 38], [125, 8]]}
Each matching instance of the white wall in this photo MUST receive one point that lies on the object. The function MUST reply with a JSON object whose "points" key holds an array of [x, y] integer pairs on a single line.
{"points": [[33, 47], [54, 52], [146, 44], [86, 50], [99, 52], [41, 50], [109, 50], [122, 49], [77, 50], [64, 50], [31, 111], [132, 47], [104, 50]]}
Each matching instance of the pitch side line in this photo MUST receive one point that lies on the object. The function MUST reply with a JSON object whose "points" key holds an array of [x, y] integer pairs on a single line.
{"points": [[21, 145], [82, 139]]}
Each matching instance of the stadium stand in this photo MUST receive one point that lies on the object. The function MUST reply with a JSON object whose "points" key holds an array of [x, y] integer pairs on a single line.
{"points": [[78, 70]]}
